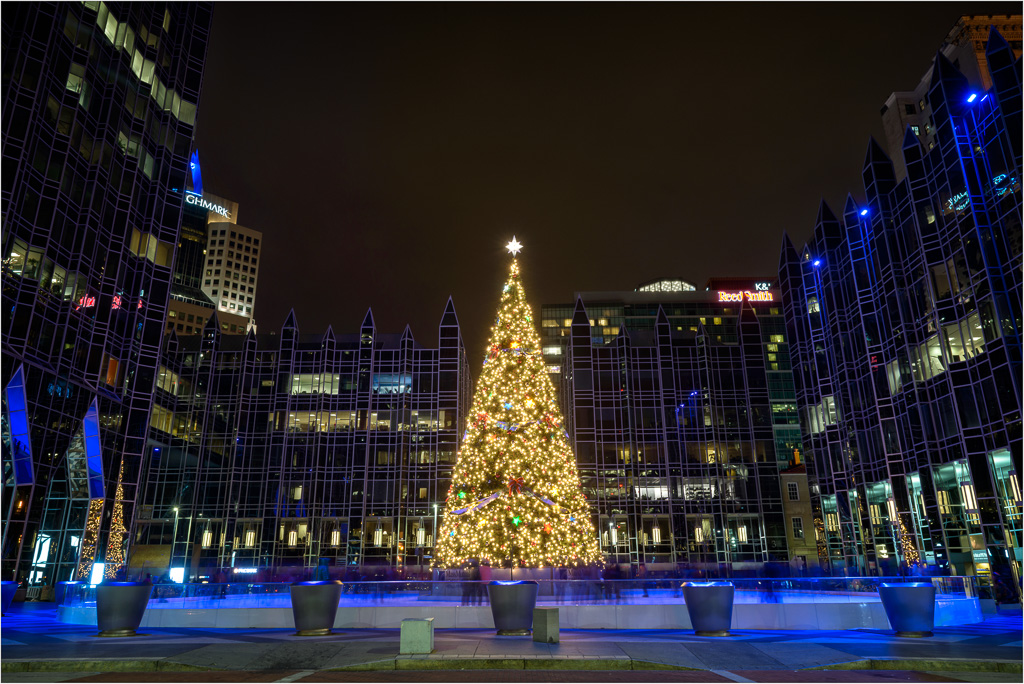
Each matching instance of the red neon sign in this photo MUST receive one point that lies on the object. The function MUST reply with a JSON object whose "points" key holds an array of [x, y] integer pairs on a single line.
{"points": [[745, 294]]}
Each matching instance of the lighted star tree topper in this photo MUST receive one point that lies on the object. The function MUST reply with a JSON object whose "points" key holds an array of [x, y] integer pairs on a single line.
{"points": [[515, 494]]}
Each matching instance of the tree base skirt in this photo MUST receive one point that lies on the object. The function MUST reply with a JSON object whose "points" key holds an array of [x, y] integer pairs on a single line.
{"points": [[314, 632], [117, 633]]}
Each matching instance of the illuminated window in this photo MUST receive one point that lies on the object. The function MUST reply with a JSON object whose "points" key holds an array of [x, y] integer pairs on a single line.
{"points": [[110, 370], [798, 528]]}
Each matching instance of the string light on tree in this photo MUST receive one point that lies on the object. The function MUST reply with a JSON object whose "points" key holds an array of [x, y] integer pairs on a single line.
{"points": [[90, 539], [115, 540], [910, 554], [516, 486]]}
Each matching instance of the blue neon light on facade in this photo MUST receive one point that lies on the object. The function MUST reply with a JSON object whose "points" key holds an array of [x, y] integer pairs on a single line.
{"points": [[959, 201], [93, 451], [863, 212], [817, 262], [17, 419], [972, 97], [197, 174]]}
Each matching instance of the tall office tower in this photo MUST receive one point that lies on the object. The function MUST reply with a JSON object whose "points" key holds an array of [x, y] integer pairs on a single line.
{"points": [[672, 430], [280, 450], [904, 322], [232, 266], [965, 47], [193, 294], [99, 107], [716, 307]]}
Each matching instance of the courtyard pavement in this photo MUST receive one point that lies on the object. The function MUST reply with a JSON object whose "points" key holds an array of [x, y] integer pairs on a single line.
{"points": [[37, 647]]}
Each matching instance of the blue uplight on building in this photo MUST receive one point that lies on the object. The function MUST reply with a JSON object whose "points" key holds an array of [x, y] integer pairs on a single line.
{"points": [[972, 97], [985, 97], [863, 212], [817, 262]]}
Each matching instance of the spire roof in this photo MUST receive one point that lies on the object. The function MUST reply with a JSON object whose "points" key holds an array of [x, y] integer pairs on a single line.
{"points": [[449, 317], [368, 319], [579, 315]]}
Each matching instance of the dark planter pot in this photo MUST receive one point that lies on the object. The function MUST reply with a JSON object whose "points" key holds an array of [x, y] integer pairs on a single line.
{"points": [[512, 605], [710, 607], [314, 606], [9, 588], [910, 608], [120, 607], [60, 591]]}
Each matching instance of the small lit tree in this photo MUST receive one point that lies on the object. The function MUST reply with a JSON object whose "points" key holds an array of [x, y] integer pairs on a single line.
{"points": [[515, 492]]}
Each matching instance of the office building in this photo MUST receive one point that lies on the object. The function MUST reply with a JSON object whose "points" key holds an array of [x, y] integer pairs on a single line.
{"points": [[201, 285], [716, 307], [99, 104], [903, 314], [277, 451], [965, 47], [673, 431], [233, 254]]}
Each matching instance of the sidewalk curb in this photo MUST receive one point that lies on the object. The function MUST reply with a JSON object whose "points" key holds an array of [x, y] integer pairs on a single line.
{"points": [[472, 663], [99, 665], [926, 665], [475, 663]]}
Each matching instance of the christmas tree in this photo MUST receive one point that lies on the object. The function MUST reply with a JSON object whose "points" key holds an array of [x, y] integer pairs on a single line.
{"points": [[515, 493]]}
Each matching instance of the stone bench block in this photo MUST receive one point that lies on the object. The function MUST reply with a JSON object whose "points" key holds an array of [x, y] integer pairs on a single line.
{"points": [[417, 636], [545, 625]]}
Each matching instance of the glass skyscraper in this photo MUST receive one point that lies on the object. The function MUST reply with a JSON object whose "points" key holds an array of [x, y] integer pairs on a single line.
{"points": [[674, 425], [904, 322], [277, 451], [100, 101]]}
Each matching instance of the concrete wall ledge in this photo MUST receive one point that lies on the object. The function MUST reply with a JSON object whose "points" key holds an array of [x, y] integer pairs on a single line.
{"points": [[782, 616]]}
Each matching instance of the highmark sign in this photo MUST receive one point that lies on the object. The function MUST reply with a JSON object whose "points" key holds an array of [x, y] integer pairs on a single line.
{"points": [[202, 203], [759, 296]]}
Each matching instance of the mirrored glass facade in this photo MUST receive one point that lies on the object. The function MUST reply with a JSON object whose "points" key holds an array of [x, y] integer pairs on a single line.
{"points": [[674, 435], [99, 104], [904, 320], [282, 452]]}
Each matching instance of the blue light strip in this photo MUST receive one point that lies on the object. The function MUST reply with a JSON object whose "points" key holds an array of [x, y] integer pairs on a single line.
{"points": [[197, 174], [17, 418], [93, 451]]}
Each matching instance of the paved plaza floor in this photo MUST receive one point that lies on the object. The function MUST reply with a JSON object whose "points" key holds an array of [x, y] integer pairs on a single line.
{"points": [[37, 648]]}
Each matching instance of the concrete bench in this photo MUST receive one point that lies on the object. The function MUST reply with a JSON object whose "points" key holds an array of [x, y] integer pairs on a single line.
{"points": [[545, 625], [417, 636]]}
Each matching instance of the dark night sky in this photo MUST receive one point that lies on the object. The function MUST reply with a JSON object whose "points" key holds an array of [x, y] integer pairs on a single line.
{"points": [[389, 151]]}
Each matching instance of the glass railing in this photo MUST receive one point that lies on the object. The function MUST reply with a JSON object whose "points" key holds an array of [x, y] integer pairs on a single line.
{"points": [[552, 592]]}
